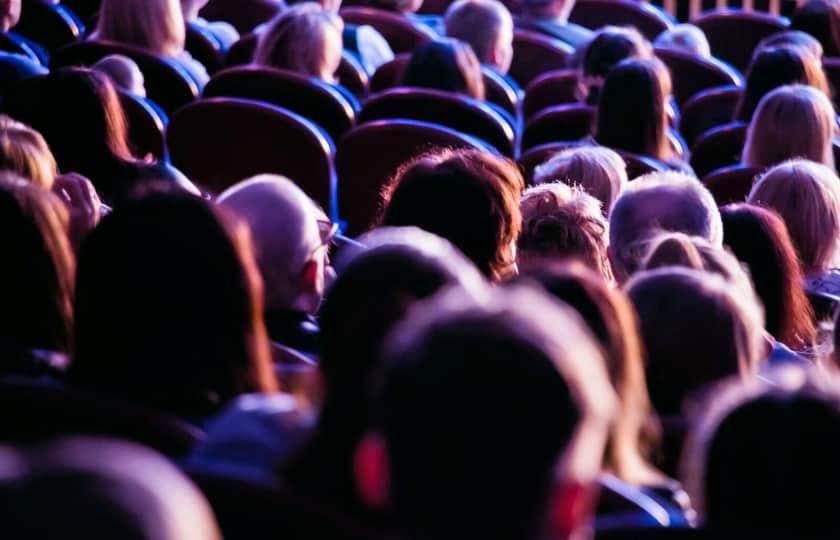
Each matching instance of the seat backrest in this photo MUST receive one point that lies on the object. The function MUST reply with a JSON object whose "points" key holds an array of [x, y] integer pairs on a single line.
{"points": [[13, 44], [49, 24], [309, 97], [533, 157], [33, 412], [370, 154], [570, 122], [352, 76], [167, 84], [719, 147], [691, 74], [731, 184], [218, 142], [535, 54], [145, 126], [831, 66], [708, 109], [733, 34], [638, 165], [245, 15], [242, 52], [557, 87], [205, 48], [400, 33], [445, 108], [389, 74], [647, 18], [85, 9]]}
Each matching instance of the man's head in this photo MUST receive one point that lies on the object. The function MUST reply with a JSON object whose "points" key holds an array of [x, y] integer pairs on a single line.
{"points": [[485, 411], [487, 26], [287, 237], [654, 203]]}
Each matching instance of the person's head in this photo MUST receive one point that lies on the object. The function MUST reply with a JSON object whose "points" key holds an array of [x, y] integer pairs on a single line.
{"points": [[304, 38], [684, 37], [488, 409], [791, 122], [633, 108], [654, 203], [608, 47], [469, 197], [696, 328], [806, 196], [290, 249], [610, 316], [597, 169], [36, 276], [404, 7], [99, 488], [778, 443], [821, 19], [169, 307], [759, 238], [486, 25], [773, 67], [156, 25], [24, 151], [9, 14], [791, 38], [190, 8], [562, 223], [447, 64], [124, 73], [80, 116]]}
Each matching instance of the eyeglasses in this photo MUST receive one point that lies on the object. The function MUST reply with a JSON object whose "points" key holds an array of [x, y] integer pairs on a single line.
{"points": [[327, 231]]}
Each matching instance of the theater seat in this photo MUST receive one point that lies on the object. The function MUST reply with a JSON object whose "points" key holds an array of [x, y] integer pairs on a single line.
{"points": [[445, 108], [244, 15], [205, 48], [532, 158], [733, 34], [14, 44], [831, 66], [535, 54], [720, 147], [49, 24], [731, 184], [691, 74], [309, 97], [389, 74], [370, 154], [647, 18], [85, 9], [167, 84], [242, 52], [400, 33], [570, 122], [557, 87], [218, 142], [145, 126], [352, 76], [708, 109]]}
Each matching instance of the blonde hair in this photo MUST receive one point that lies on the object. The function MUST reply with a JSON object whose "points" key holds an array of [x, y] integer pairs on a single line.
{"points": [[795, 121], [478, 23], [684, 37], [25, 152], [298, 40], [597, 169], [156, 25], [807, 197]]}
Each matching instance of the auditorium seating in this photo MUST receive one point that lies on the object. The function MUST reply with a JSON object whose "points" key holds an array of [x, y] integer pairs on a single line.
{"points": [[242, 52], [569, 122], [691, 74], [708, 109], [400, 33], [11, 43], [831, 66], [734, 34], [49, 24], [530, 159], [557, 87], [352, 76], [205, 48], [244, 20], [536, 54], [647, 18], [145, 126], [731, 184], [717, 148]]}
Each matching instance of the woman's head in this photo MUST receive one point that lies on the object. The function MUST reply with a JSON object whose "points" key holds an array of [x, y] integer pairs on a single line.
{"points": [[610, 46], [449, 65], [36, 276], [791, 122], [24, 151], [773, 67], [759, 238], [806, 196], [633, 109], [304, 38], [469, 197], [156, 25], [821, 19], [169, 307]]}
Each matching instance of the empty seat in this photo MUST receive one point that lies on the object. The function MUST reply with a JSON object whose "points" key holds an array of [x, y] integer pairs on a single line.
{"points": [[549, 89], [535, 54], [691, 74], [708, 109], [205, 48], [49, 24], [399, 31], [370, 154], [220, 141], [311, 98], [648, 19], [145, 126], [720, 147], [734, 34], [445, 108], [731, 184], [167, 84], [559, 123]]}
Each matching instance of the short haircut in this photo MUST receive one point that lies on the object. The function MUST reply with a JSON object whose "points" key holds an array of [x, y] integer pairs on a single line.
{"points": [[562, 222], [609, 47], [684, 37], [478, 23], [156, 25], [447, 64], [657, 202], [25, 152], [469, 197], [597, 169], [807, 197], [495, 456]]}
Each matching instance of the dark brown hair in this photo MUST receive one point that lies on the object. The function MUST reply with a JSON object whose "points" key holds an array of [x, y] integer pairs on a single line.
{"points": [[449, 65]]}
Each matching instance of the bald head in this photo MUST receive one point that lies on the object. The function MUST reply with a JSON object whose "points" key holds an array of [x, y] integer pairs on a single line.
{"points": [[284, 229]]}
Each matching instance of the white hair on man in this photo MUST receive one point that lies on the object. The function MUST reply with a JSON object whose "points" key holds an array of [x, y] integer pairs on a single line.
{"points": [[659, 202], [487, 26]]}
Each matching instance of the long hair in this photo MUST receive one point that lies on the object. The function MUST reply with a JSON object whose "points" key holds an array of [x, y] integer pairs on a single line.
{"points": [[449, 65], [821, 19], [25, 152], [156, 25]]}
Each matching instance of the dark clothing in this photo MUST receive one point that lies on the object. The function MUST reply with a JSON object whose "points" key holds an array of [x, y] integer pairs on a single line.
{"points": [[294, 329], [569, 33], [622, 506], [16, 67], [128, 177]]}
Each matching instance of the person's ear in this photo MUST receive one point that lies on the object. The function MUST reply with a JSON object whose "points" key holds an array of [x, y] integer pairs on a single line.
{"points": [[570, 508], [370, 467]]}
